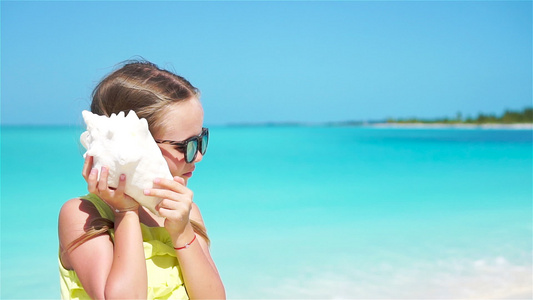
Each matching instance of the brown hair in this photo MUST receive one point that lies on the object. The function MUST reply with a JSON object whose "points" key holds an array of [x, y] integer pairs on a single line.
{"points": [[143, 87]]}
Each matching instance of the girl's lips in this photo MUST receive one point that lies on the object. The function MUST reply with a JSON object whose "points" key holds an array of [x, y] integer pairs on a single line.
{"points": [[188, 174]]}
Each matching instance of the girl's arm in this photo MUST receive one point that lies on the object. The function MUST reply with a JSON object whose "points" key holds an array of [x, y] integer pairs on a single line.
{"points": [[199, 272], [105, 269], [91, 260], [127, 278]]}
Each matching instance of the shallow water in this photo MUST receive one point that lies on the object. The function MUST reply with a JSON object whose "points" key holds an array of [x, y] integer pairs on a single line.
{"points": [[312, 212]]}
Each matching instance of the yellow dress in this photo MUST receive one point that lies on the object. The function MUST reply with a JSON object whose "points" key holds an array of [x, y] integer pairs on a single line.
{"points": [[164, 275]]}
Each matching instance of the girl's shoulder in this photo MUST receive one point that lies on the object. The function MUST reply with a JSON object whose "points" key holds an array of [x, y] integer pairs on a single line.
{"points": [[89, 254], [76, 210]]}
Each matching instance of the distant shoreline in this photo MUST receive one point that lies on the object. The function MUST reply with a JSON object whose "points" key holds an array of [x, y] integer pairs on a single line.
{"points": [[384, 125], [516, 126], [392, 125]]}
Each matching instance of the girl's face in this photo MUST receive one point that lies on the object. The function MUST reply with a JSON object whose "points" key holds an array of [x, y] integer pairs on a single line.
{"points": [[182, 120]]}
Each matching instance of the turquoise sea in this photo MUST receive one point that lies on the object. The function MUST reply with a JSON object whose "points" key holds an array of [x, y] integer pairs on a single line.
{"points": [[312, 212]]}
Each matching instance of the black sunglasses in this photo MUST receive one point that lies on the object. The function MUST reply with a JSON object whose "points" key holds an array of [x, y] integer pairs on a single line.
{"points": [[190, 146]]}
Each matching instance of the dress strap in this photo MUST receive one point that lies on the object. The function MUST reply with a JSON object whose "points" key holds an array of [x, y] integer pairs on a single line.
{"points": [[104, 209]]}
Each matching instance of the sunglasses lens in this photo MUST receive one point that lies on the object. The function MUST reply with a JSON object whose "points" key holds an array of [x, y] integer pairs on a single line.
{"points": [[205, 140], [192, 147]]}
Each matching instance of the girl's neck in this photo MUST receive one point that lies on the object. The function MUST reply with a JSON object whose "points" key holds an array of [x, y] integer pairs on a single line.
{"points": [[150, 219]]}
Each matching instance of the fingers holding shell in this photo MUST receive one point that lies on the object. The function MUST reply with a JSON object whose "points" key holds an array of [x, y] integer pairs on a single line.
{"points": [[175, 210], [102, 182], [171, 184], [92, 181], [184, 197], [119, 191], [87, 167]]}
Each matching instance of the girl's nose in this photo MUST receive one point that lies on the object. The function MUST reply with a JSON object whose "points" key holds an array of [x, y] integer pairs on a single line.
{"points": [[199, 157]]}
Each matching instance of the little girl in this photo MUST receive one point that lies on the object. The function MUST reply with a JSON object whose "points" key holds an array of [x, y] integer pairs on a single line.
{"points": [[110, 246]]}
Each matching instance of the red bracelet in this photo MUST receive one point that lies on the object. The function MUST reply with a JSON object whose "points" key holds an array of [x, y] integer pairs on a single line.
{"points": [[186, 245]]}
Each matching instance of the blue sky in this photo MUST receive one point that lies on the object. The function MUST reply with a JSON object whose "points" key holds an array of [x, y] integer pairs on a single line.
{"points": [[274, 61]]}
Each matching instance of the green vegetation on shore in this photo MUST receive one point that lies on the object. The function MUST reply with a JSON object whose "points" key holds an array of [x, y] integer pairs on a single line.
{"points": [[508, 117]]}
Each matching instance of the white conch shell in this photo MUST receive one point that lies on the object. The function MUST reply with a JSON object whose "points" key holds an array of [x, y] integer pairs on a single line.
{"points": [[125, 145]]}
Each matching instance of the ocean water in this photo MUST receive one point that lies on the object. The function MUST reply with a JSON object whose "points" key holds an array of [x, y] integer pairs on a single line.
{"points": [[312, 212]]}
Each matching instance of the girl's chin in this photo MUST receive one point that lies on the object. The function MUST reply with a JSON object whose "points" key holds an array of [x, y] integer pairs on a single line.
{"points": [[185, 179]]}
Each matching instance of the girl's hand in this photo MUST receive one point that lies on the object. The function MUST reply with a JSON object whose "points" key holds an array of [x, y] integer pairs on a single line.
{"points": [[114, 197], [175, 206]]}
